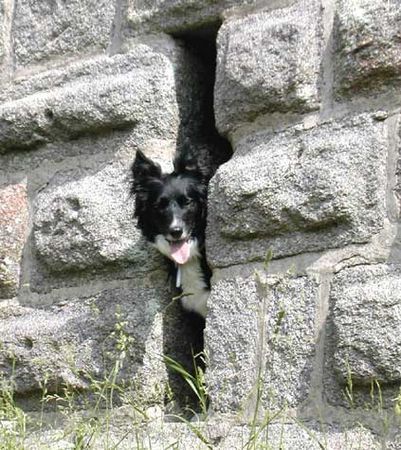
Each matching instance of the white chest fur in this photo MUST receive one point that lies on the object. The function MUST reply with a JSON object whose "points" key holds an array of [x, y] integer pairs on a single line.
{"points": [[195, 291], [194, 288]]}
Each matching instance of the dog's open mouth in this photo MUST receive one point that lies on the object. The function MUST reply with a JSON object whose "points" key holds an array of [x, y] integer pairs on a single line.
{"points": [[180, 251]]}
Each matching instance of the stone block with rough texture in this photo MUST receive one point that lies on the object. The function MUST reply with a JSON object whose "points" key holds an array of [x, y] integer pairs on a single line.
{"points": [[366, 316], [267, 62], [143, 89], [302, 436], [14, 217], [2, 31], [75, 342], [217, 435], [367, 46], [294, 192], [46, 30], [94, 105], [88, 223], [177, 15], [260, 342], [122, 332]]}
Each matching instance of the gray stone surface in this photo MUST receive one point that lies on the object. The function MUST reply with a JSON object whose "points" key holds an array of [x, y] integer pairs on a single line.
{"points": [[87, 222], [150, 89], [294, 192], [290, 316], [260, 343], [75, 342], [367, 55], [14, 218], [302, 436], [231, 342], [267, 62], [45, 30], [109, 102], [366, 317], [177, 15], [142, 52], [219, 436], [2, 31], [87, 154]]}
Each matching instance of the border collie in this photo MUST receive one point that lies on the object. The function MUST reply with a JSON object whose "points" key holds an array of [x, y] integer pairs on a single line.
{"points": [[171, 213]]}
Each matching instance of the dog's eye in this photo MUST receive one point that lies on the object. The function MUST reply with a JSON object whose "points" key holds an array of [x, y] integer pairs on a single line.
{"points": [[163, 203], [183, 201]]}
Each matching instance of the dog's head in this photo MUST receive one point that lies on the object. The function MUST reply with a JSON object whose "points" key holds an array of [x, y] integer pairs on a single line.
{"points": [[170, 208]]}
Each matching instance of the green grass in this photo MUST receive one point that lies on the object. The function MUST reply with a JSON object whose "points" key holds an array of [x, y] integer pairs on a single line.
{"points": [[92, 424], [12, 419], [93, 428], [88, 420], [195, 380]]}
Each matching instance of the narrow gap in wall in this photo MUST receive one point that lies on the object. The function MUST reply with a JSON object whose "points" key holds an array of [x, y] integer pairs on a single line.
{"points": [[201, 45]]}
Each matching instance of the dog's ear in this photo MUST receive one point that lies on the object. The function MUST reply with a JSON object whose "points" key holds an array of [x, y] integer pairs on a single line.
{"points": [[185, 163], [144, 173], [143, 169], [190, 164], [195, 159]]}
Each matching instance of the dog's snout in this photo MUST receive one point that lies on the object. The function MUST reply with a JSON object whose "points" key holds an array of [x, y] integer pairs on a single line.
{"points": [[176, 232]]}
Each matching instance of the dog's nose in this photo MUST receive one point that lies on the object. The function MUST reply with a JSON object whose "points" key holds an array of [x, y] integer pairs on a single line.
{"points": [[176, 232]]}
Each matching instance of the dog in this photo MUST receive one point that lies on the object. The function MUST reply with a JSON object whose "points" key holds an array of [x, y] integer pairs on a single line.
{"points": [[171, 210]]}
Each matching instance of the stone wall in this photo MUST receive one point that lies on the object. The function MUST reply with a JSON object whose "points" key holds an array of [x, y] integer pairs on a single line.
{"points": [[303, 226]]}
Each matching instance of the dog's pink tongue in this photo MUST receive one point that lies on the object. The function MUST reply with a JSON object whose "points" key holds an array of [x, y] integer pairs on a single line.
{"points": [[180, 252]]}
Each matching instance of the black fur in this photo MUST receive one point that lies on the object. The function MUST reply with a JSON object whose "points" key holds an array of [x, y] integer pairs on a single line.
{"points": [[153, 190], [172, 208], [182, 195]]}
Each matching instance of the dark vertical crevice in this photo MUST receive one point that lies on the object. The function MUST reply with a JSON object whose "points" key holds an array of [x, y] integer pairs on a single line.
{"points": [[201, 45], [197, 130]]}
